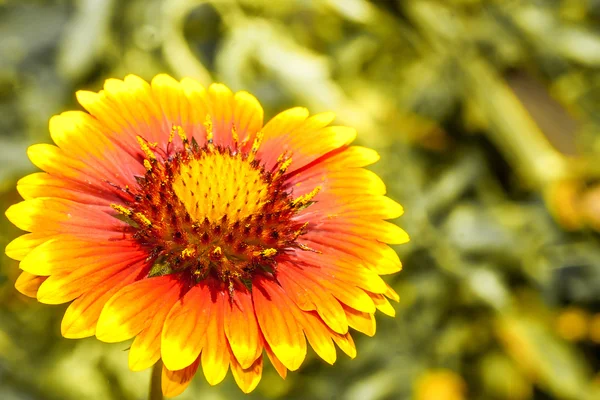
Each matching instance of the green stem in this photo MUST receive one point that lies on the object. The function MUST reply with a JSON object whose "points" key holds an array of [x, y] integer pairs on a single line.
{"points": [[155, 387]]}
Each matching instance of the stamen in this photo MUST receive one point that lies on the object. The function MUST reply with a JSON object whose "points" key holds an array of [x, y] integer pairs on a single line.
{"points": [[268, 252], [245, 141], [139, 217], [305, 199], [209, 129], [235, 136], [217, 253], [306, 248], [122, 210], [285, 165], [256, 145], [182, 135], [188, 252], [300, 231], [172, 134], [144, 145]]}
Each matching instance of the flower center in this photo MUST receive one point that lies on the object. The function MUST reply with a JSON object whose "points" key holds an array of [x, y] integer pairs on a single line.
{"points": [[218, 184], [213, 211]]}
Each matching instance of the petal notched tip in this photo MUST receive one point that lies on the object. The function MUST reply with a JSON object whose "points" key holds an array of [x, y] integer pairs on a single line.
{"points": [[20, 247], [164, 80], [190, 85], [219, 89], [29, 284], [132, 78], [247, 378], [87, 98], [174, 382]]}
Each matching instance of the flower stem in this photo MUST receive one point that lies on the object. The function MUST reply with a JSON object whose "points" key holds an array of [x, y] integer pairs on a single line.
{"points": [[155, 386]]}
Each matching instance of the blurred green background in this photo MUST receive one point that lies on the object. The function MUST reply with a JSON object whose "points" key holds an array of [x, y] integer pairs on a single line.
{"points": [[487, 117]]}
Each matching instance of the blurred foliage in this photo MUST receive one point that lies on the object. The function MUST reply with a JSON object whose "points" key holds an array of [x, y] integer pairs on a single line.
{"points": [[487, 117]]}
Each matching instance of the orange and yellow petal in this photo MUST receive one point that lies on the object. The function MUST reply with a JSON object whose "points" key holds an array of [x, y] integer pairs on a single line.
{"points": [[347, 292], [29, 284], [81, 317], [66, 253], [247, 116], [346, 344], [310, 296], [56, 216], [174, 382], [145, 349], [277, 364], [183, 334], [374, 255], [132, 307], [361, 321], [247, 378], [24, 244], [241, 329], [278, 325], [215, 353], [100, 156], [125, 108], [307, 138], [66, 286], [276, 129], [382, 304], [318, 335]]}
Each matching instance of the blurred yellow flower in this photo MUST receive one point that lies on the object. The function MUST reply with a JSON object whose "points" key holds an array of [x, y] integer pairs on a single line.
{"points": [[440, 385], [572, 324]]}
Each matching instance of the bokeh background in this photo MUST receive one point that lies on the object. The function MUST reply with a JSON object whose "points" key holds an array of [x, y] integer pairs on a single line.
{"points": [[487, 116]]}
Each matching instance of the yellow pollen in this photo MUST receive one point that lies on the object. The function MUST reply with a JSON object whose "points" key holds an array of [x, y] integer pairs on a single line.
{"points": [[234, 135], [188, 252], [301, 230], [143, 219], [256, 144], [180, 133], [257, 141], [146, 148], [219, 185], [122, 210], [285, 165], [217, 252], [147, 165], [245, 141], [306, 198], [209, 128], [268, 252], [172, 134], [306, 248]]}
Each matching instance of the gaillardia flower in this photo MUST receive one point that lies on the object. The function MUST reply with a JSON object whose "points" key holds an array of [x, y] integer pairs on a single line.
{"points": [[169, 214]]}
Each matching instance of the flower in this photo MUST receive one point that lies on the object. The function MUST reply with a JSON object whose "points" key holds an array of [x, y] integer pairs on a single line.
{"points": [[169, 214], [440, 385]]}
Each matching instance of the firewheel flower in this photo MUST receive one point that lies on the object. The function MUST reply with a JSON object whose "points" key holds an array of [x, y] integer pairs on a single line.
{"points": [[169, 214]]}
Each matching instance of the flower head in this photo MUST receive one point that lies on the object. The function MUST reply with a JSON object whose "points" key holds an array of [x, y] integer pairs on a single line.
{"points": [[169, 214]]}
